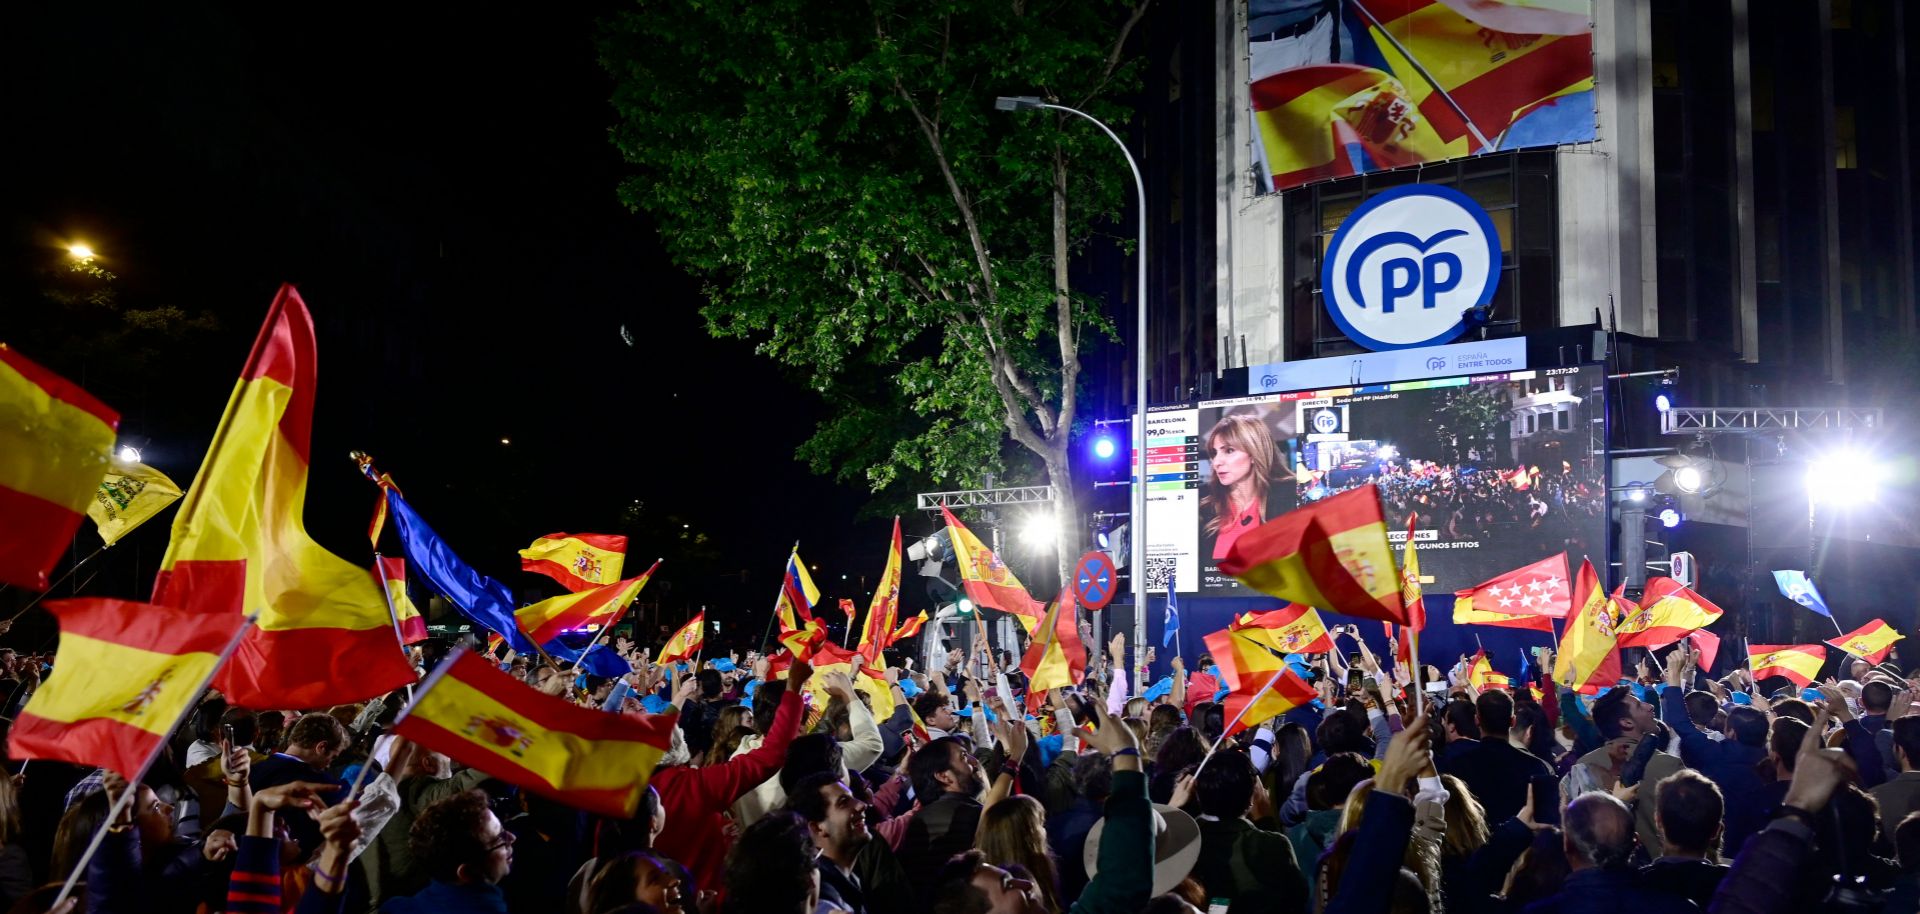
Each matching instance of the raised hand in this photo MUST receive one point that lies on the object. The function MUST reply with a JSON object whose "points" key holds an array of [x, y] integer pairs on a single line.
{"points": [[1817, 770]]}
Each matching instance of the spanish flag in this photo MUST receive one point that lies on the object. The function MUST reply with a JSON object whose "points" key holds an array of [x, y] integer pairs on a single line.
{"points": [[797, 595], [240, 543], [1261, 684], [908, 628], [805, 641], [124, 676], [413, 626], [1332, 554], [585, 758], [1480, 670], [56, 442], [1530, 597], [604, 605], [1410, 592], [686, 642], [885, 606], [1588, 654], [579, 561], [1496, 681], [869, 678], [1055, 658], [1870, 642], [988, 580], [1667, 612], [1291, 629], [1798, 662], [130, 496]]}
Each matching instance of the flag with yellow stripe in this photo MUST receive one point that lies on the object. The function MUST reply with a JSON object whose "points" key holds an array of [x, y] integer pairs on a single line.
{"points": [[124, 675], [1292, 629], [885, 607], [56, 442], [1588, 655], [686, 642], [1055, 659], [483, 718], [130, 495], [1799, 663], [1870, 642], [579, 561], [1332, 554], [604, 605], [412, 625]]}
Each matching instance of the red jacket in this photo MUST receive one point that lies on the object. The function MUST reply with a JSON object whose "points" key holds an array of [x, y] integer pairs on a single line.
{"points": [[696, 799]]}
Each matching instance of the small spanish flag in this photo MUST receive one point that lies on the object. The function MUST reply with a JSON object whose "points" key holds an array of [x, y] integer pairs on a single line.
{"points": [[1798, 662], [805, 641], [1588, 655], [1291, 629], [869, 678], [1262, 686], [579, 561], [1667, 613], [56, 442], [125, 674], [603, 605], [1870, 642], [1480, 670], [908, 628], [1496, 681], [1332, 554], [1055, 659], [585, 758], [686, 642], [413, 626]]}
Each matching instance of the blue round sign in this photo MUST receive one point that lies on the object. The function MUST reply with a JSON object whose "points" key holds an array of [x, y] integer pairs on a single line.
{"points": [[1095, 580], [1406, 266]]}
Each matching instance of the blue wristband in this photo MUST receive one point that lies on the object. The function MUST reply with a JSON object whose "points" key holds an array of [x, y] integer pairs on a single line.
{"points": [[1133, 752]]}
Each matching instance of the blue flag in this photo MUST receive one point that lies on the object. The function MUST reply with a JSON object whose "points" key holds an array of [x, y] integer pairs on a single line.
{"points": [[1795, 586], [1172, 626], [1525, 668]]}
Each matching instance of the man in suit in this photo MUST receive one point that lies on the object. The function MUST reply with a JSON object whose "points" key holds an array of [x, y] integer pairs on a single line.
{"points": [[837, 821], [1498, 773], [1901, 795]]}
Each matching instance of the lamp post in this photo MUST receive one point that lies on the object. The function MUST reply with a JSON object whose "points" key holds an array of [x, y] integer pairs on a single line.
{"points": [[1138, 526]]}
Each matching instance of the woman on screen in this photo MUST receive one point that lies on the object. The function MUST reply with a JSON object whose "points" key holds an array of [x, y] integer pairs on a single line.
{"points": [[1241, 452]]}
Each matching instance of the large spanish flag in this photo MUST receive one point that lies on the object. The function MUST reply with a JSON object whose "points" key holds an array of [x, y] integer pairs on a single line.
{"points": [[413, 626], [240, 543], [1332, 554], [603, 605], [1055, 658], [586, 758], [987, 580], [125, 674], [1588, 654], [686, 642], [579, 561], [56, 443], [885, 607], [1798, 662], [1292, 629], [1870, 642], [1667, 612], [1530, 596], [130, 495]]}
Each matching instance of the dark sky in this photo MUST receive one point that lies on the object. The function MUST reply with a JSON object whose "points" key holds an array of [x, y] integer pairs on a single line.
{"points": [[436, 180]]}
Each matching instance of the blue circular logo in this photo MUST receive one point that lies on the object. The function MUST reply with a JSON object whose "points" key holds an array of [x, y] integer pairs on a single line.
{"points": [[1406, 266], [1326, 422]]}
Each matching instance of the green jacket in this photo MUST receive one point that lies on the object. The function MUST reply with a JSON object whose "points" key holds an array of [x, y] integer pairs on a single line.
{"points": [[1253, 868], [1124, 879], [1310, 839]]}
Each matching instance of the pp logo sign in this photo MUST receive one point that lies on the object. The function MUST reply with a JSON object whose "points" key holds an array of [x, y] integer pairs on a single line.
{"points": [[1407, 264]]}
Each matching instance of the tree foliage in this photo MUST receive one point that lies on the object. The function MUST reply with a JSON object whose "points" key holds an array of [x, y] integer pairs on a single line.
{"points": [[837, 174]]}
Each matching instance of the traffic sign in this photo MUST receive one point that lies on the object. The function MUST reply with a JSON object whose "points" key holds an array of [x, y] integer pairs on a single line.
{"points": [[1095, 580]]}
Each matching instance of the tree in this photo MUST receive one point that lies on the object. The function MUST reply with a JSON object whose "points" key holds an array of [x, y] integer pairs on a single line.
{"points": [[837, 174]]}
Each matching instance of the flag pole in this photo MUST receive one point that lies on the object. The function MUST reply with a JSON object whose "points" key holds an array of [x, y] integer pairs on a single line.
{"points": [[125, 799], [768, 633], [59, 581], [393, 615], [1413, 660]]}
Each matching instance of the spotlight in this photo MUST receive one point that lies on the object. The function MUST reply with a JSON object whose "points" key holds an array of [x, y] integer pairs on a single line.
{"points": [[1844, 479], [129, 454], [1670, 518], [1689, 479], [1636, 495], [1039, 531], [1101, 538], [965, 606], [1663, 402], [1104, 448]]}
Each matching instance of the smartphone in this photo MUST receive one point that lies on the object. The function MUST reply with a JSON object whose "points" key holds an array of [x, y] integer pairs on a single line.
{"points": [[226, 730], [1536, 651], [1436, 688], [1353, 678], [1546, 800]]}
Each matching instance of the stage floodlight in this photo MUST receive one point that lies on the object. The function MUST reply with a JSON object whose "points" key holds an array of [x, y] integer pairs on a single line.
{"points": [[1104, 448], [1844, 479], [1689, 478], [1039, 531], [1670, 518]]}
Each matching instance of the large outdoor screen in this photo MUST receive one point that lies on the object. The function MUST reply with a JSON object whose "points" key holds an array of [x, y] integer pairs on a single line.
{"points": [[1501, 469]]}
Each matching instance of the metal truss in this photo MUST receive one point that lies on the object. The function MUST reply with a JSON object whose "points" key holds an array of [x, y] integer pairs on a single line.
{"points": [[983, 498], [1697, 420]]}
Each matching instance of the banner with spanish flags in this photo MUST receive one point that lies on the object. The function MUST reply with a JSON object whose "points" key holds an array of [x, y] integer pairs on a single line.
{"points": [[884, 609], [1291, 629], [483, 718], [1667, 612], [1588, 655], [240, 543], [56, 442], [130, 495], [1799, 663], [1055, 658], [579, 561], [1332, 554], [546, 620], [987, 580], [123, 677], [1870, 642], [413, 626], [686, 642]]}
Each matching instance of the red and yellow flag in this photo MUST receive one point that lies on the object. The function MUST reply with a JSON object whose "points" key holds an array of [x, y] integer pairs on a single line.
{"points": [[1261, 684], [1667, 612], [869, 678], [797, 597], [579, 561], [686, 642], [1480, 670], [1870, 642], [1798, 662], [908, 628], [583, 757], [1588, 654], [1529, 597], [1055, 658], [240, 543], [56, 443], [603, 605], [1410, 591], [1708, 644], [130, 495], [413, 626], [987, 580], [885, 606], [125, 674], [806, 641], [1332, 554], [1291, 629], [1495, 681]]}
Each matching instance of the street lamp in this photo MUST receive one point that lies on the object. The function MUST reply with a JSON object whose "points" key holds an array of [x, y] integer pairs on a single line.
{"points": [[79, 251], [1139, 524]]}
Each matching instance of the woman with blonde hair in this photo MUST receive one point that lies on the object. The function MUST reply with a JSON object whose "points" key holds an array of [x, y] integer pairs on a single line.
{"points": [[1240, 451], [1013, 832], [1475, 858]]}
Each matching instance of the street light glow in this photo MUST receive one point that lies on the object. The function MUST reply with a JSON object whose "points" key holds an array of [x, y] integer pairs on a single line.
{"points": [[1104, 448], [80, 251], [129, 454], [1844, 479], [1039, 530]]}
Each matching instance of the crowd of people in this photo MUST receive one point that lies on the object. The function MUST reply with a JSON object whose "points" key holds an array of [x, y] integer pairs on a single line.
{"points": [[784, 792]]}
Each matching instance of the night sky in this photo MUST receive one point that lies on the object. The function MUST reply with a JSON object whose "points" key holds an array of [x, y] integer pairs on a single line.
{"points": [[437, 181]]}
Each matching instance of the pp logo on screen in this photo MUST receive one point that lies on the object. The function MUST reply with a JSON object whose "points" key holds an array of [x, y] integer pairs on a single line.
{"points": [[1326, 422], [1407, 264]]}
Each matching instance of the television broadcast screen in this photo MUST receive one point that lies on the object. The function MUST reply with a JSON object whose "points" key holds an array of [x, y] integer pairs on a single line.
{"points": [[1500, 469]]}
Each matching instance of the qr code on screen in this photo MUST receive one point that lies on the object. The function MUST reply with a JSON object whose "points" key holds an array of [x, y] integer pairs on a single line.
{"points": [[1160, 572]]}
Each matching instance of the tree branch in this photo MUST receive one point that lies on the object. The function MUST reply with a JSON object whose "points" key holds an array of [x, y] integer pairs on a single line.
{"points": [[1063, 299], [1114, 52]]}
